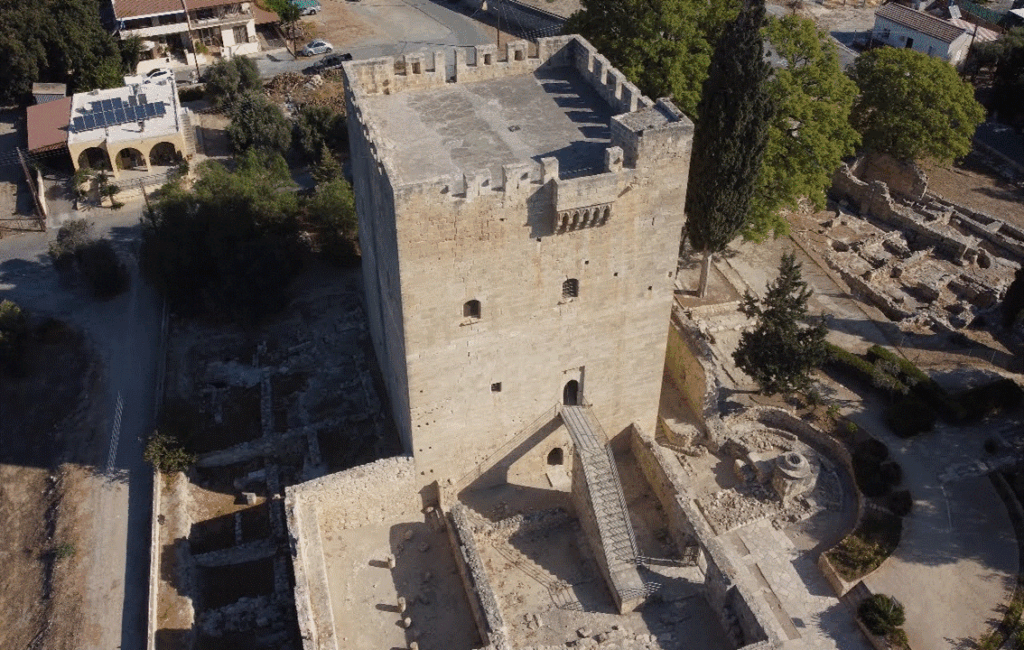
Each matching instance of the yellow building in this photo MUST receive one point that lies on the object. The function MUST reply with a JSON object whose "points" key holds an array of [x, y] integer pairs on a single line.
{"points": [[138, 127]]}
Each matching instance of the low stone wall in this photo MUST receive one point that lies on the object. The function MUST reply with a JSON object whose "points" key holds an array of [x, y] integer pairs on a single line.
{"points": [[154, 562], [375, 493], [839, 585], [482, 601]]}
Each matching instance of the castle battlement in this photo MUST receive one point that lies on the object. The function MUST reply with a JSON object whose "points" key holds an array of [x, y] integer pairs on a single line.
{"points": [[501, 126]]}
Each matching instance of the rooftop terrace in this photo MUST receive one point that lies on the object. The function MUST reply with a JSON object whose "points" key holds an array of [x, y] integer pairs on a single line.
{"points": [[467, 127]]}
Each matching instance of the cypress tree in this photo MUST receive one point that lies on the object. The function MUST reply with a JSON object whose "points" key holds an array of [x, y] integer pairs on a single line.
{"points": [[729, 141]]}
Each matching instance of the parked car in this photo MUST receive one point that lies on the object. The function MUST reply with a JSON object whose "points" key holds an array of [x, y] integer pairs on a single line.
{"points": [[307, 7], [332, 62], [319, 46], [159, 74]]}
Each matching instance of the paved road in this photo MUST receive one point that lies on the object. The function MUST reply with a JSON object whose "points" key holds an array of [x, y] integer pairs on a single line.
{"points": [[125, 333], [406, 26]]}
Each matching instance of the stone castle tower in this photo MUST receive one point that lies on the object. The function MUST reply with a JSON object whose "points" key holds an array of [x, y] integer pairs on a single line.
{"points": [[520, 223]]}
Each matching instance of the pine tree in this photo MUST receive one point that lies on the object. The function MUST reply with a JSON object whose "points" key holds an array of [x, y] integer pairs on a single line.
{"points": [[780, 351], [729, 141]]}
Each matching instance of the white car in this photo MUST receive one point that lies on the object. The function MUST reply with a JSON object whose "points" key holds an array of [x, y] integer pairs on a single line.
{"points": [[159, 74], [319, 46]]}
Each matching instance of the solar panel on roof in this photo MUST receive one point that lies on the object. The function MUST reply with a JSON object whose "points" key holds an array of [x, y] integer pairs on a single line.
{"points": [[161, 109], [106, 105], [129, 112], [89, 121], [79, 124], [108, 118], [150, 110], [117, 102], [119, 115], [131, 100], [142, 98]]}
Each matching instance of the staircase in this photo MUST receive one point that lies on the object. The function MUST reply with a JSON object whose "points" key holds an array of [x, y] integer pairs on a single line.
{"points": [[189, 131], [610, 516]]}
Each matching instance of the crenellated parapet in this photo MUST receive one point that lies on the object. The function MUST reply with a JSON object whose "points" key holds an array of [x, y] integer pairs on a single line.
{"points": [[644, 137]]}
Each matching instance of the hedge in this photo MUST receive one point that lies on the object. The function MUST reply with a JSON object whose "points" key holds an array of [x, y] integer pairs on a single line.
{"points": [[864, 370]]}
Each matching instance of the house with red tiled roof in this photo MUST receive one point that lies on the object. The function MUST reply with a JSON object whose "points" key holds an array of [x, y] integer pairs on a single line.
{"points": [[901, 26], [183, 29]]}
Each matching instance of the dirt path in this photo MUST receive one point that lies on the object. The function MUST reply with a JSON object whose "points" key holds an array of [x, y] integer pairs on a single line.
{"points": [[108, 494]]}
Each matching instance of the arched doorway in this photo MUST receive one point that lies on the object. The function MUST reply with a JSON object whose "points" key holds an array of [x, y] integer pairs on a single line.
{"points": [[571, 393], [131, 158], [164, 154], [556, 456], [94, 158]]}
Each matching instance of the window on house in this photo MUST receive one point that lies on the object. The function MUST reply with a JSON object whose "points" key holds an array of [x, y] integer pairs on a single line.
{"points": [[471, 309], [571, 288], [910, 43], [556, 456], [496, 387]]}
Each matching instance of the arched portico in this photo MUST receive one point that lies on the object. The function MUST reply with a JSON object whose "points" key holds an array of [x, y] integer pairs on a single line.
{"points": [[164, 154], [131, 158], [94, 158]]}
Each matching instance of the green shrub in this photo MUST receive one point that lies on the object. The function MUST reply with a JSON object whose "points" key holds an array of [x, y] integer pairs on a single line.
{"points": [[13, 338], [909, 416], [864, 550], [901, 503], [990, 398], [897, 639], [864, 371], [106, 274], [872, 448], [881, 614], [891, 472], [165, 453], [64, 551], [192, 93], [70, 237]]}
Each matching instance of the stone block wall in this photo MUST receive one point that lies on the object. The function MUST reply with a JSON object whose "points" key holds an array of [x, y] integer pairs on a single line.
{"points": [[687, 367]]}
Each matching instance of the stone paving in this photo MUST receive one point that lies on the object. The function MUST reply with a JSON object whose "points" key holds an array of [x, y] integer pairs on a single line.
{"points": [[802, 599]]}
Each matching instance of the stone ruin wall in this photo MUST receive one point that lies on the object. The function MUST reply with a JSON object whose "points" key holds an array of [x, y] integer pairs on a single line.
{"points": [[475, 579], [905, 180], [875, 199], [375, 493]]}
